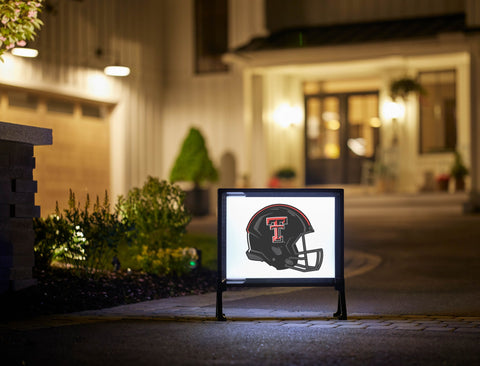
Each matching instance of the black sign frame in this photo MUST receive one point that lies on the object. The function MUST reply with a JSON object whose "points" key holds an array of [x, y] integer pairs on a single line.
{"points": [[338, 281]]}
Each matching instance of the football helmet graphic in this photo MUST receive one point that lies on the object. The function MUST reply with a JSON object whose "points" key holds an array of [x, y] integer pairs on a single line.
{"points": [[273, 233]]}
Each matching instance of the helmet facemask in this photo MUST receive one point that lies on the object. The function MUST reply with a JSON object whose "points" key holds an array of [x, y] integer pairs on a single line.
{"points": [[303, 256]]}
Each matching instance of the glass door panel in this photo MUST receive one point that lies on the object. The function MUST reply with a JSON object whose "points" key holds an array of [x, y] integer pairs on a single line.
{"points": [[362, 116], [323, 128], [323, 139], [362, 134]]}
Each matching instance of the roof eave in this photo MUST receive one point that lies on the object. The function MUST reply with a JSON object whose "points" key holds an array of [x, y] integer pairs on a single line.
{"points": [[442, 43]]}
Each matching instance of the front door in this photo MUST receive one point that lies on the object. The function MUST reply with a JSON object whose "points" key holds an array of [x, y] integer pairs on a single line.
{"points": [[341, 134]]}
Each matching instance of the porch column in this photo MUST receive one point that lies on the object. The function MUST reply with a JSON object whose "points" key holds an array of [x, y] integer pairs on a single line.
{"points": [[257, 152], [473, 204]]}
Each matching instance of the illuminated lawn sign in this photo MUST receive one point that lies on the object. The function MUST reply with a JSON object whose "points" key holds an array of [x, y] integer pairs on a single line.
{"points": [[280, 237]]}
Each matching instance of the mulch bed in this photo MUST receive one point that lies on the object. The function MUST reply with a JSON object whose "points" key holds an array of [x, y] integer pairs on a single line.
{"points": [[60, 291]]}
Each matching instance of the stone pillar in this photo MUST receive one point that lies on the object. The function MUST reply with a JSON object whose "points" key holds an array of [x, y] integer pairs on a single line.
{"points": [[17, 203]]}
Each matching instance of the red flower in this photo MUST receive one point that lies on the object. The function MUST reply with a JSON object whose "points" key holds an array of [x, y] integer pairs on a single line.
{"points": [[442, 178]]}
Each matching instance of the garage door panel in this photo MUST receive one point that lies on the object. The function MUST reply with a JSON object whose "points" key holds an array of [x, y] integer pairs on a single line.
{"points": [[79, 158]]}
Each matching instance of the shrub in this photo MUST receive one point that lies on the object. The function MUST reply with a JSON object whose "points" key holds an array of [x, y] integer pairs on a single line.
{"points": [[103, 230], [152, 218], [86, 241], [167, 261], [158, 214], [50, 234]]}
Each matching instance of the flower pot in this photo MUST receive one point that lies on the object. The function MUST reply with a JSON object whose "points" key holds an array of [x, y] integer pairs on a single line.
{"points": [[459, 184], [442, 185], [197, 201], [385, 185]]}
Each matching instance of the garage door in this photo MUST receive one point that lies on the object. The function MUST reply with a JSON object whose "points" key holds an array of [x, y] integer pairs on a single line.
{"points": [[79, 158]]}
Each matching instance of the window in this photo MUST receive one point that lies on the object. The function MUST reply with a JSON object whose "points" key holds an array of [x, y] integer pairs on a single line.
{"points": [[211, 35], [438, 125], [93, 110], [22, 99], [60, 106]]}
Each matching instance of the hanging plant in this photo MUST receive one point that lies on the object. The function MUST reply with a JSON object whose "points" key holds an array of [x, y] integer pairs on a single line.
{"points": [[18, 23], [404, 86]]}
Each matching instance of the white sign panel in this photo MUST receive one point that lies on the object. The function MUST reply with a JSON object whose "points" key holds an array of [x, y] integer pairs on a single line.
{"points": [[279, 237]]}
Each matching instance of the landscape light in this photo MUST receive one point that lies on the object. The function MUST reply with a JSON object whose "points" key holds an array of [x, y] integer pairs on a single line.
{"points": [[195, 258]]}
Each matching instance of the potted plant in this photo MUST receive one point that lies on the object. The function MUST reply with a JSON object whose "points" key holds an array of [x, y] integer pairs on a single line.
{"points": [[442, 182], [458, 171], [283, 178], [194, 165]]}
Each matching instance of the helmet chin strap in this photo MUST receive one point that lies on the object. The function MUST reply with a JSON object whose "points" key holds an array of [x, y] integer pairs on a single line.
{"points": [[304, 257]]}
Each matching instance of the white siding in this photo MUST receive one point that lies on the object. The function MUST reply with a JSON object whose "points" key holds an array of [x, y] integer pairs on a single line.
{"points": [[246, 21], [163, 97], [211, 102], [472, 8], [68, 64]]}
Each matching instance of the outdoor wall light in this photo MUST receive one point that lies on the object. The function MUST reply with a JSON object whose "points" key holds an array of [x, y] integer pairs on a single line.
{"points": [[393, 110], [286, 115], [24, 52], [117, 71]]}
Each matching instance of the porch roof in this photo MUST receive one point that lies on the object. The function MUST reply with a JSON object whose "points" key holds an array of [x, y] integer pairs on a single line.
{"points": [[355, 33]]}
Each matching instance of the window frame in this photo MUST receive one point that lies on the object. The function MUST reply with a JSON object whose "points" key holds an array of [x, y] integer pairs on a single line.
{"points": [[445, 149], [206, 62]]}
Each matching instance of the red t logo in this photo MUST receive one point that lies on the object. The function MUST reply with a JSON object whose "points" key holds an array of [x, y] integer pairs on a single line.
{"points": [[277, 224]]}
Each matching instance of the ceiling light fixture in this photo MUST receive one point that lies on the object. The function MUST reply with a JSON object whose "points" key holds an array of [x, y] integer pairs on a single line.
{"points": [[115, 68], [117, 71]]}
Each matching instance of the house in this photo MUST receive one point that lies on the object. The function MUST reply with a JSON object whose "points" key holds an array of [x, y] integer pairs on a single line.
{"points": [[303, 84]]}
